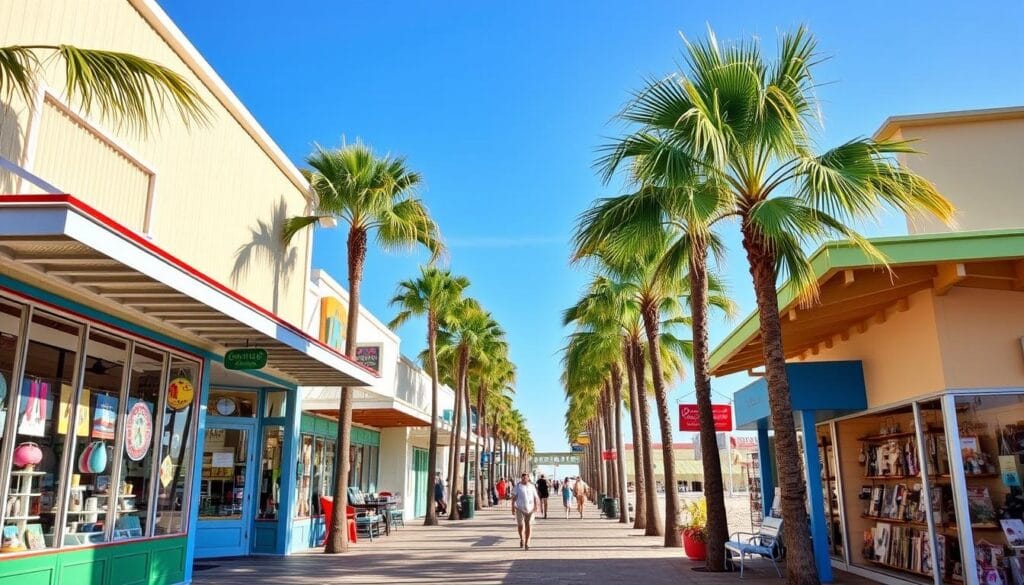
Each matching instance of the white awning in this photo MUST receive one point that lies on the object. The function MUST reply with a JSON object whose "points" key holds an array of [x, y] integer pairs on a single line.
{"points": [[64, 239]]}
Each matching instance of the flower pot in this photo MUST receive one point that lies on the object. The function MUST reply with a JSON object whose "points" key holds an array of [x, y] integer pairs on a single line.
{"points": [[696, 550]]}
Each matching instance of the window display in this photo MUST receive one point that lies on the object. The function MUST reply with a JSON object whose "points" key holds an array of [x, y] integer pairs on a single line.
{"points": [[270, 472], [175, 458], [233, 403], [222, 491], [304, 470], [830, 489]]}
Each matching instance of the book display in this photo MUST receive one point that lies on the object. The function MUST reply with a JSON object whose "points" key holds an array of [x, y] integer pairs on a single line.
{"points": [[830, 491], [754, 491]]}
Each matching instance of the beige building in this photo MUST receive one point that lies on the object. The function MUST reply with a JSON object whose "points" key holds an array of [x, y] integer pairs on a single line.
{"points": [[689, 470]]}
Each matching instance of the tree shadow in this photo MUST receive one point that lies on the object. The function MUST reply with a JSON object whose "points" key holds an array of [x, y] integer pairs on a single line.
{"points": [[12, 140], [266, 247]]}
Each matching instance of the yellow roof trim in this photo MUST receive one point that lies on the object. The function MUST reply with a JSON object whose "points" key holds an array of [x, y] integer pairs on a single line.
{"points": [[894, 123]]}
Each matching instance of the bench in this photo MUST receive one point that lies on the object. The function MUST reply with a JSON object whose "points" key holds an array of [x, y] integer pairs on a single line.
{"points": [[764, 544]]}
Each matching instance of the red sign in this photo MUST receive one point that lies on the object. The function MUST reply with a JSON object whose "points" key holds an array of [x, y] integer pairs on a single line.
{"points": [[689, 420], [609, 455]]}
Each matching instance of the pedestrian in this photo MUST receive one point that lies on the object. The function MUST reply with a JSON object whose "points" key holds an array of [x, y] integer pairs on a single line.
{"points": [[579, 489], [556, 486], [566, 497], [501, 487], [439, 503], [525, 501], [542, 491]]}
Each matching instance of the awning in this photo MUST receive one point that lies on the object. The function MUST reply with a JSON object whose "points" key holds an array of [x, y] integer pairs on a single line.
{"points": [[64, 240], [369, 407], [828, 389]]}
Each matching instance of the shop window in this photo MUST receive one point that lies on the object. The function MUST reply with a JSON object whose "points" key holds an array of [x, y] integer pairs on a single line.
{"points": [[830, 490], [903, 472], [176, 446], [10, 330], [135, 487], [14, 529], [305, 471], [93, 455], [991, 447], [270, 472], [327, 473], [276, 404], [46, 406], [317, 476], [222, 492], [231, 403], [355, 470]]}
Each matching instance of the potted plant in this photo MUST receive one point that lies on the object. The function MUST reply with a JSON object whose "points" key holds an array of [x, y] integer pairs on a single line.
{"points": [[695, 531]]}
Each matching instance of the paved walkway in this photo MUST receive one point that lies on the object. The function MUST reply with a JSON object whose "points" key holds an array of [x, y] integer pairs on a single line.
{"points": [[486, 550]]}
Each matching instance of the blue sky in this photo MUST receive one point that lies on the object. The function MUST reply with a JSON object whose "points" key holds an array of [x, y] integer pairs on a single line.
{"points": [[501, 107]]}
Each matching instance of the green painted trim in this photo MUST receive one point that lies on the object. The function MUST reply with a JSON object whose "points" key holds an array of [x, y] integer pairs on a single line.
{"points": [[322, 427], [153, 561], [898, 251]]}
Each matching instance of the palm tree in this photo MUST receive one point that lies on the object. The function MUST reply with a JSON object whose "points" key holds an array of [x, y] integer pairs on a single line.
{"points": [[122, 87], [370, 194], [496, 381], [747, 124], [434, 293]]}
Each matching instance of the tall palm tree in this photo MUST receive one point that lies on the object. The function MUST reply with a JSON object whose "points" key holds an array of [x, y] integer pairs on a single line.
{"points": [[681, 207], [747, 123], [496, 381], [370, 194], [435, 294], [122, 87]]}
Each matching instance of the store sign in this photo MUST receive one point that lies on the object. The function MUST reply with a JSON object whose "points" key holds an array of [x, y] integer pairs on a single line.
{"points": [[485, 458], [582, 440], [248, 358], [333, 322], [555, 459], [369, 356], [180, 393], [609, 455], [577, 448], [689, 418]]}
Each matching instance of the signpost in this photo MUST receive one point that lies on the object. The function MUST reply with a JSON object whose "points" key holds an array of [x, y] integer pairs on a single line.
{"points": [[249, 358], [689, 418]]}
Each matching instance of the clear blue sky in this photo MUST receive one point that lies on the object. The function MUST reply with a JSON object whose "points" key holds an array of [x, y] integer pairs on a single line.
{"points": [[501, 105]]}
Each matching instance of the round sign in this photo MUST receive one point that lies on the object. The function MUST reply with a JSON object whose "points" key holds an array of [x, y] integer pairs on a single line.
{"points": [[226, 406], [138, 431], [180, 393]]}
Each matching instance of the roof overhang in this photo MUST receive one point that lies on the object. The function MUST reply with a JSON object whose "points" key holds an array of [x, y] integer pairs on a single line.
{"points": [[369, 407], [62, 240], [894, 124], [855, 289]]}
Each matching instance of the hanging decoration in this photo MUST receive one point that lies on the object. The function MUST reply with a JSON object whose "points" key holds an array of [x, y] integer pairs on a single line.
{"points": [[138, 431], [180, 393]]}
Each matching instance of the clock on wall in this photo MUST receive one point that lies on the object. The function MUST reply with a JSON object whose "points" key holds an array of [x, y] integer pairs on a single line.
{"points": [[226, 406]]}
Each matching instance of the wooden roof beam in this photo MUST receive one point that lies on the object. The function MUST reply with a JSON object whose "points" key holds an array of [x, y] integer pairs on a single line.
{"points": [[948, 275]]}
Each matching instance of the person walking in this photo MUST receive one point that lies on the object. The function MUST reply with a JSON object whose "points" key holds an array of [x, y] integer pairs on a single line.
{"points": [[566, 497], [542, 491], [525, 501], [439, 501], [579, 490], [501, 487]]}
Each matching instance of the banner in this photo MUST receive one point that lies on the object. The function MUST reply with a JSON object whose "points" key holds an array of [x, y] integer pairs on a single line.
{"points": [[609, 455], [555, 459], [689, 419]]}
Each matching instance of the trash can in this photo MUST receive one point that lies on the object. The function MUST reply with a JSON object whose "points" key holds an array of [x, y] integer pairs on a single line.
{"points": [[611, 508], [600, 501], [468, 502]]}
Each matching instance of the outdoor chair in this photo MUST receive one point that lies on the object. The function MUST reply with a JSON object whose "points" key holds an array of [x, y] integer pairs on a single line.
{"points": [[327, 507], [395, 515], [766, 543], [367, 522]]}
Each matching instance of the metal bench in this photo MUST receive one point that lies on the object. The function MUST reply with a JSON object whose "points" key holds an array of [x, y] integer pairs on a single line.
{"points": [[765, 544]]}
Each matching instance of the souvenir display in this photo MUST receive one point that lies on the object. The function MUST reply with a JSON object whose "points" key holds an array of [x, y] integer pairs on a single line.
{"points": [[93, 458], [104, 418], [138, 431], [33, 418]]}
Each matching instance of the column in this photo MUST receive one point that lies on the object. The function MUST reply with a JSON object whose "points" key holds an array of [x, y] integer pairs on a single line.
{"points": [[815, 496]]}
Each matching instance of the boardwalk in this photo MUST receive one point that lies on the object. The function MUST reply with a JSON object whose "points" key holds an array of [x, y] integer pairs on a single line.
{"points": [[486, 550]]}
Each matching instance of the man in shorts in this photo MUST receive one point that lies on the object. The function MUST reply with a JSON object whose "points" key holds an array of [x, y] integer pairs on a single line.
{"points": [[525, 501], [542, 491]]}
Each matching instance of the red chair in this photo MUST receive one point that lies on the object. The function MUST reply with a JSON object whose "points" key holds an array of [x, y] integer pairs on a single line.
{"points": [[327, 507]]}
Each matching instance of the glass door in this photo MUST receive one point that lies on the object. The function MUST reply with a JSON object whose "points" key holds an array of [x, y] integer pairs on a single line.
{"points": [[226, 488]]}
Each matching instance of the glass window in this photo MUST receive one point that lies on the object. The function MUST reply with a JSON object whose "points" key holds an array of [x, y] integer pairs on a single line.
{"points": [[304, 471], [10, 329], [176, 447], [318, 470], [327, 475], [355, 470], [46, 407], [93, 452], [276, 404], [234, 403], [270, 472], [830, 490], [991, 447], [222, 491], [134, 489]]}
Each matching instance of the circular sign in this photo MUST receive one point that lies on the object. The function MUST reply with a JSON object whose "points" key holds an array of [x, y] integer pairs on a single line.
{"points": [[138, 431], [226, 406], [180, 393]]}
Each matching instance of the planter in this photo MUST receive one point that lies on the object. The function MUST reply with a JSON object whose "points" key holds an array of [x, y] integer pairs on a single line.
{"points": [[695, 550]]}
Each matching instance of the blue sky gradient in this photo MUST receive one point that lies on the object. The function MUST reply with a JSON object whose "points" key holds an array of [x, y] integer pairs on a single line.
{"points": [[501, 107]]}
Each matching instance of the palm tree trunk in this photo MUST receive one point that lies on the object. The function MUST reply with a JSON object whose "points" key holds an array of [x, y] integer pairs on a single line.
{"points": [[800, 565], [649, 313], [479, 482], [620, 447], [338, 542], [654, 524], [431, 518], [453, 509], [469, 433], [714, 487], [639, 491]]}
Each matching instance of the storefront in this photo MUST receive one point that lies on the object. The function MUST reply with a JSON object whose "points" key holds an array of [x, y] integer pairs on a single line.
{"points": [[929, 465]]}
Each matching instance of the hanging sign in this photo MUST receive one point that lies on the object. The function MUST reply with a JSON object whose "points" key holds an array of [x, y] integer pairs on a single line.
{"points": [[166, 471], [609, 455], [555, 459], [582, 440], [689, 419], [248, 358], [576, 448], [180, 393], [138, 431]]}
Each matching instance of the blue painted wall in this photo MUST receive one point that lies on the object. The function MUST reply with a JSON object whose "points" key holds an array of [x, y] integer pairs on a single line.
{"points": [[813, 386]]}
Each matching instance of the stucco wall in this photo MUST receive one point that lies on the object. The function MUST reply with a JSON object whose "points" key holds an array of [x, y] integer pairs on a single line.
{"points": [[977, 166], [901, 357], [215, 189], [980, 335]]}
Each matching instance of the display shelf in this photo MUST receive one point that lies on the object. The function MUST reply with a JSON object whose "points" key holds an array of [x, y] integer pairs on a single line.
{"points": [[901, 435], [939, 525], [26, 473], [911, 571], [31, 495], [904, 477], [19, 518]]}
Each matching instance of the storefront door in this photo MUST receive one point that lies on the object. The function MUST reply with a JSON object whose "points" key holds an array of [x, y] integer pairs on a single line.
{"points": [[420, 479], [226, 494]]}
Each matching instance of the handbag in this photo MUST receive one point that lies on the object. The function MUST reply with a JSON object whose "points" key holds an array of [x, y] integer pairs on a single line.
{"points": [[33, 420]]}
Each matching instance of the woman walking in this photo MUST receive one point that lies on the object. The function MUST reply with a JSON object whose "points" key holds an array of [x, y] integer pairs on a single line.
{"points": [[566, 497], [579, 489]]}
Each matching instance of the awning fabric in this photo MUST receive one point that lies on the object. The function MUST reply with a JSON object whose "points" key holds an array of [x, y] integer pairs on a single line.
{"points": [[62, 238]]}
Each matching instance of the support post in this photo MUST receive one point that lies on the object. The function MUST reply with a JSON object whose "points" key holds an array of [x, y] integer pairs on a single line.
{"points": [[815, 496]]}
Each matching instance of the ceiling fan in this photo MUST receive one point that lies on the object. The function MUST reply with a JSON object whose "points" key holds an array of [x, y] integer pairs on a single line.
{"points": [[100, 368]]}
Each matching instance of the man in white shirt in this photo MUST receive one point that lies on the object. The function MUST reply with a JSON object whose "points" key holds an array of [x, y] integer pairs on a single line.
{"points": [[524, 503]]}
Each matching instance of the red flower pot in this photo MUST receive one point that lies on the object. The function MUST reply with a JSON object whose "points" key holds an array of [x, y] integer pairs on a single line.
{"points": [[695, 550]]}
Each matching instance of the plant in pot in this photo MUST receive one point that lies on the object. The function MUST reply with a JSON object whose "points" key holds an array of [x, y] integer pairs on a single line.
{"points": [[695, 530]]}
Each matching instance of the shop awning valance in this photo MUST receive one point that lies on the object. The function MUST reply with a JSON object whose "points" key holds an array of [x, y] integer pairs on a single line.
{"points": [[828, 389], [63, 239]]}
